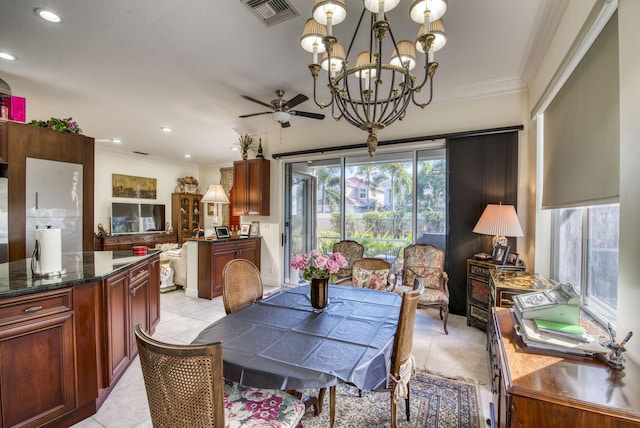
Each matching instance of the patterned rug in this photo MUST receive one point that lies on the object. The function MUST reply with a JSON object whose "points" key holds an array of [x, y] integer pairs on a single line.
{"points": [[436, 402]]}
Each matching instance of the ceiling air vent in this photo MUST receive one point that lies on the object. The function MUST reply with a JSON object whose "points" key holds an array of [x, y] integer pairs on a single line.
{"points": [[271, 12]]}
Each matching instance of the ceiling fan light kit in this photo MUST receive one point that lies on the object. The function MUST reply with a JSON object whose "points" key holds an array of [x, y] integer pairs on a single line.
{"points": [[281, 110], [368, 92]]}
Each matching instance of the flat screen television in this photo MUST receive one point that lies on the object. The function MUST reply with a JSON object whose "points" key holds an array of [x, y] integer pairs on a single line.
{"points": [[127, 218]]}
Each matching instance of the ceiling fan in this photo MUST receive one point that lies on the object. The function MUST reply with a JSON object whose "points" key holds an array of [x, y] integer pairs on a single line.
{"points": [[281, 109]]}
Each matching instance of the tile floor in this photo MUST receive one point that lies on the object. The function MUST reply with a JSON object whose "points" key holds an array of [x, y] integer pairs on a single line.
{"points": [[462, 354]]}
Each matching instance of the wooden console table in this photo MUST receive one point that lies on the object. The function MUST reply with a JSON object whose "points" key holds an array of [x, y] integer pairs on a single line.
{"points": [[535, 390], [125, 242]]}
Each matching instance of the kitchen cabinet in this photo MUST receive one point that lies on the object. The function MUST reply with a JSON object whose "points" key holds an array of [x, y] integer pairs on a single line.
{"points": [[214, 255], [186, 214], [132, 297], [32, 142], [251, 187]]}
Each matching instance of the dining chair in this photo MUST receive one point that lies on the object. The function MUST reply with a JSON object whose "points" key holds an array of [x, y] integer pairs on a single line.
{"points": [[371, 273], [352, 251], [185, 388], [241, 285], [402, 363], [426, 261]]}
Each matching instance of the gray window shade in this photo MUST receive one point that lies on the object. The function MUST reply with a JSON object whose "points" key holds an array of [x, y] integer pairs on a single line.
{"points": [[582, 130]]}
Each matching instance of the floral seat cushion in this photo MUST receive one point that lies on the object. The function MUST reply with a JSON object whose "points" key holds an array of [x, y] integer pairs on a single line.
{"points": [[256, 407], [366, 278]]}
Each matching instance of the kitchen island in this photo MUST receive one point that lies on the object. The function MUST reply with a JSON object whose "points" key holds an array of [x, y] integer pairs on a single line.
{"points": [[65, 342]]}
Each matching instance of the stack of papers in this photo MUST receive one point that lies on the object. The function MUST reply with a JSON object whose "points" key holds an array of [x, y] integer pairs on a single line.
{"points": [[535, 338], [570, 331]]}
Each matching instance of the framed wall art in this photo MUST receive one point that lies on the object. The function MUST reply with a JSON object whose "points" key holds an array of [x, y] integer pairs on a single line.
{"points": [[130, 186]]}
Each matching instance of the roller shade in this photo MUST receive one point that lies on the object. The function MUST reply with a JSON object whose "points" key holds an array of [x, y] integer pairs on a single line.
{"points": [[581, 163]]}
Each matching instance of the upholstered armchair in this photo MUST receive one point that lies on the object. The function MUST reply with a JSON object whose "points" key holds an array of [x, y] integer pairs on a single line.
{"points": [[352, 251], [425, 263]]}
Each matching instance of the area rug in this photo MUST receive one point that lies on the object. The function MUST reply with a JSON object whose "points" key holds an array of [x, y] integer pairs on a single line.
{"points": [[436, 402]]}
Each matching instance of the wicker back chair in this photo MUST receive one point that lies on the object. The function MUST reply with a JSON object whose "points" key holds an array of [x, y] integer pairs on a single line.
{"points": [[352, 251], [401, 358], [371, 273], [185, 388], [426, 262], [241, 285]]}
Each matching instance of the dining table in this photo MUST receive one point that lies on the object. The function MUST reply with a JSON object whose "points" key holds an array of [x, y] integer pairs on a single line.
{"points": [[282, 342]]}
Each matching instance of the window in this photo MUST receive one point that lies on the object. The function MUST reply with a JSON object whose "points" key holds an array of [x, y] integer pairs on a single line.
{"points": [[586, 255]]}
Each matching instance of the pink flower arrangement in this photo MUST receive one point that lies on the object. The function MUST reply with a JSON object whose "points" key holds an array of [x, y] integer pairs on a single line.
{"points": [[317, 264]]}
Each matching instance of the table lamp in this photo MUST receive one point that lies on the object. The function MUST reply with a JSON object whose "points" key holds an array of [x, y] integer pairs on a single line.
{"points": [[500, 221], [215, 195]]}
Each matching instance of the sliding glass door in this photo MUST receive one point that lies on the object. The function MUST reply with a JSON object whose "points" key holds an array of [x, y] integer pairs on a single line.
{"points": [[385, 203]]}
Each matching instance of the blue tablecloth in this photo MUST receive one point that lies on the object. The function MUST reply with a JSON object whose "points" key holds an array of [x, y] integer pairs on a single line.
{"points": [[281, 343]]}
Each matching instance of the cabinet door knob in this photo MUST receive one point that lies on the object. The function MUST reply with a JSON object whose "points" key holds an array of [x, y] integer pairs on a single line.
{"points": [[33, 309], [133, 291]]}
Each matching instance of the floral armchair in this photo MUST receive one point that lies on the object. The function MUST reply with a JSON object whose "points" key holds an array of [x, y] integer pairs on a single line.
{"points": [[425, 263], [352, 251]]}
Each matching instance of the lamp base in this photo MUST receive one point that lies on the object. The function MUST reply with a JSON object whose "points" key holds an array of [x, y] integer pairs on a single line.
{"points": [[500, 240]]}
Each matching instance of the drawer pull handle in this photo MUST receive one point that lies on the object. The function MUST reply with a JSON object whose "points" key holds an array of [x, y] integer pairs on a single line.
{"points": [[133, 291], [33, 309]]}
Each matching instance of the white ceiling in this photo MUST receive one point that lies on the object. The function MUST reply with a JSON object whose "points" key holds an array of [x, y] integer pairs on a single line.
{"points": [[123, 68]]}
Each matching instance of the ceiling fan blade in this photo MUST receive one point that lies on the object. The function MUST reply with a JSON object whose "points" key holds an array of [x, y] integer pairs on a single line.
{"points": [[285, 124], [307, 114], [255, 114], [246, 97], [296, 100]]}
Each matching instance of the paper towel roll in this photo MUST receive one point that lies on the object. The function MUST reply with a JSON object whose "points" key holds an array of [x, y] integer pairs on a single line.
{"points": [[50, 251]]}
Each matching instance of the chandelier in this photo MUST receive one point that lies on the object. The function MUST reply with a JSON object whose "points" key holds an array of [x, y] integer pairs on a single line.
{"points": [[368, 92]]}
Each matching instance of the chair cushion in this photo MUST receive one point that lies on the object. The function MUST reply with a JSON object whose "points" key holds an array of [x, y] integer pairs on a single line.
{"points": [[256, 407], [375, 279], [432, 276], [429, 296]]}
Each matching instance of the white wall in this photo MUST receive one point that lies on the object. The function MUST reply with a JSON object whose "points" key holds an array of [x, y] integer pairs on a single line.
{"points": [[108, 163]]}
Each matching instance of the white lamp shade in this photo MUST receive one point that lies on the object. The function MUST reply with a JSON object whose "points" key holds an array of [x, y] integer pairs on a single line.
{"points": [[373, 7], [336, 59], [407, 54], [437, 29], [312, 34], [437, 8], [336, 8], [499, 220], [215, 194]]}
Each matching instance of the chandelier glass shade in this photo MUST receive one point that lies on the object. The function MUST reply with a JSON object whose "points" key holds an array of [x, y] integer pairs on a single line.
{"points": [[373, 88]]}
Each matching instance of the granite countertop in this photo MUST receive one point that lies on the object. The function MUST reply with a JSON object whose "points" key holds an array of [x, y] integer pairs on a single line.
{"points": [[16, 278]]}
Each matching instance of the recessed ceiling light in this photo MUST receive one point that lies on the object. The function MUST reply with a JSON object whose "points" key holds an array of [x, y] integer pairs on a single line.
{"points": [[116, 140], [47, 15], [7, 56], [235, 149], [166, 129]]}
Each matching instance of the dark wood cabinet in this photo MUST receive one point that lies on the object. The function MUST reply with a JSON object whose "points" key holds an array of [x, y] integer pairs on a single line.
{"points": [[38, 383], [24, 141], [131, 297], [535, 390], [251, 187], [186, 214], [125, 242], [214, 255]]}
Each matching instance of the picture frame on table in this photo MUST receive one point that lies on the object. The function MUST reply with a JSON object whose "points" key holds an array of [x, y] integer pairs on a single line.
{"points": [[222, 232], [211, 209], [255, 228], [500, 254], [245, 229], [512, 258]]}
